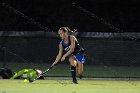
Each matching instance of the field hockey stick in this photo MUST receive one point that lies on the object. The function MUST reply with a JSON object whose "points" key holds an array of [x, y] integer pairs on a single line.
{"points": [[30, 80]]}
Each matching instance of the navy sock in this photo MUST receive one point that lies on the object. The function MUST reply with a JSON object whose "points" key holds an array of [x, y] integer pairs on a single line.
{"points": [[73, 72]]}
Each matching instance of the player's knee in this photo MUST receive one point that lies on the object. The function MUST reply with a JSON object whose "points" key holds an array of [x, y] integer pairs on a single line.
{"points": [[73, 63], [79, 72]]}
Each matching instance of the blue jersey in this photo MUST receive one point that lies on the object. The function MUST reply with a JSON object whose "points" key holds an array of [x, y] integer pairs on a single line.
{"points": [[67, 46]]}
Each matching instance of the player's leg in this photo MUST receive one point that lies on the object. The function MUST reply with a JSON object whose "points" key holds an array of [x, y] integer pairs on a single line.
{"points": [[73, 68], [79, 69], [18, 74], [80, 61]]}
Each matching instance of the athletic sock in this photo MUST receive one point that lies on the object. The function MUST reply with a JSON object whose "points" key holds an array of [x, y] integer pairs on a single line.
{"points": [[73, 73]]}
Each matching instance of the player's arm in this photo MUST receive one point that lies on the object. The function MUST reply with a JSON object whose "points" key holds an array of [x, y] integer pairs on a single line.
{"points": [[72, 46], [59, 54]]}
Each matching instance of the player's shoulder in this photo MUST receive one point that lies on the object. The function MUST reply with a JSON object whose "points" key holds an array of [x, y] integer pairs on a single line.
{"points": [[72, 37]]}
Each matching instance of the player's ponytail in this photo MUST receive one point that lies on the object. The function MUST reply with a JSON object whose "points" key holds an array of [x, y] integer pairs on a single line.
{"points": [[71, 32]]}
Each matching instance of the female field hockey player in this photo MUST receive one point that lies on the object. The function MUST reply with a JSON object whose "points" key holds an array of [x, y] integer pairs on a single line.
{"points": [[74, 52]]}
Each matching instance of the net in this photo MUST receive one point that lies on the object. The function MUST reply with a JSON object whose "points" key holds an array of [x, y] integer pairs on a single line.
{"points": [[105, 57]]}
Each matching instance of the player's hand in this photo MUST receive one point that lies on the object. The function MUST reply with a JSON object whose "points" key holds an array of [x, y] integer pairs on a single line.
{"points": [[63, 58]]}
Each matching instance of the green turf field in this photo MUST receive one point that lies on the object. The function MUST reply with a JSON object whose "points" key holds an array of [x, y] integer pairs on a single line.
{"points": [[65, 86]]}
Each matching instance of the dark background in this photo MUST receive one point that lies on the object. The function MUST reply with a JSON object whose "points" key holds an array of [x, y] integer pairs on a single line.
{"points": [[110, 52], [56, 13]]}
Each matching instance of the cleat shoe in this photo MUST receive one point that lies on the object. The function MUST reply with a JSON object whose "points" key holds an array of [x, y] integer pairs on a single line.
{"points": [[74, 82]]}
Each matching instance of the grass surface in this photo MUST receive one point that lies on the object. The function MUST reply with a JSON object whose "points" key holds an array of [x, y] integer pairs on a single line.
{"points": [[65, 86]]}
